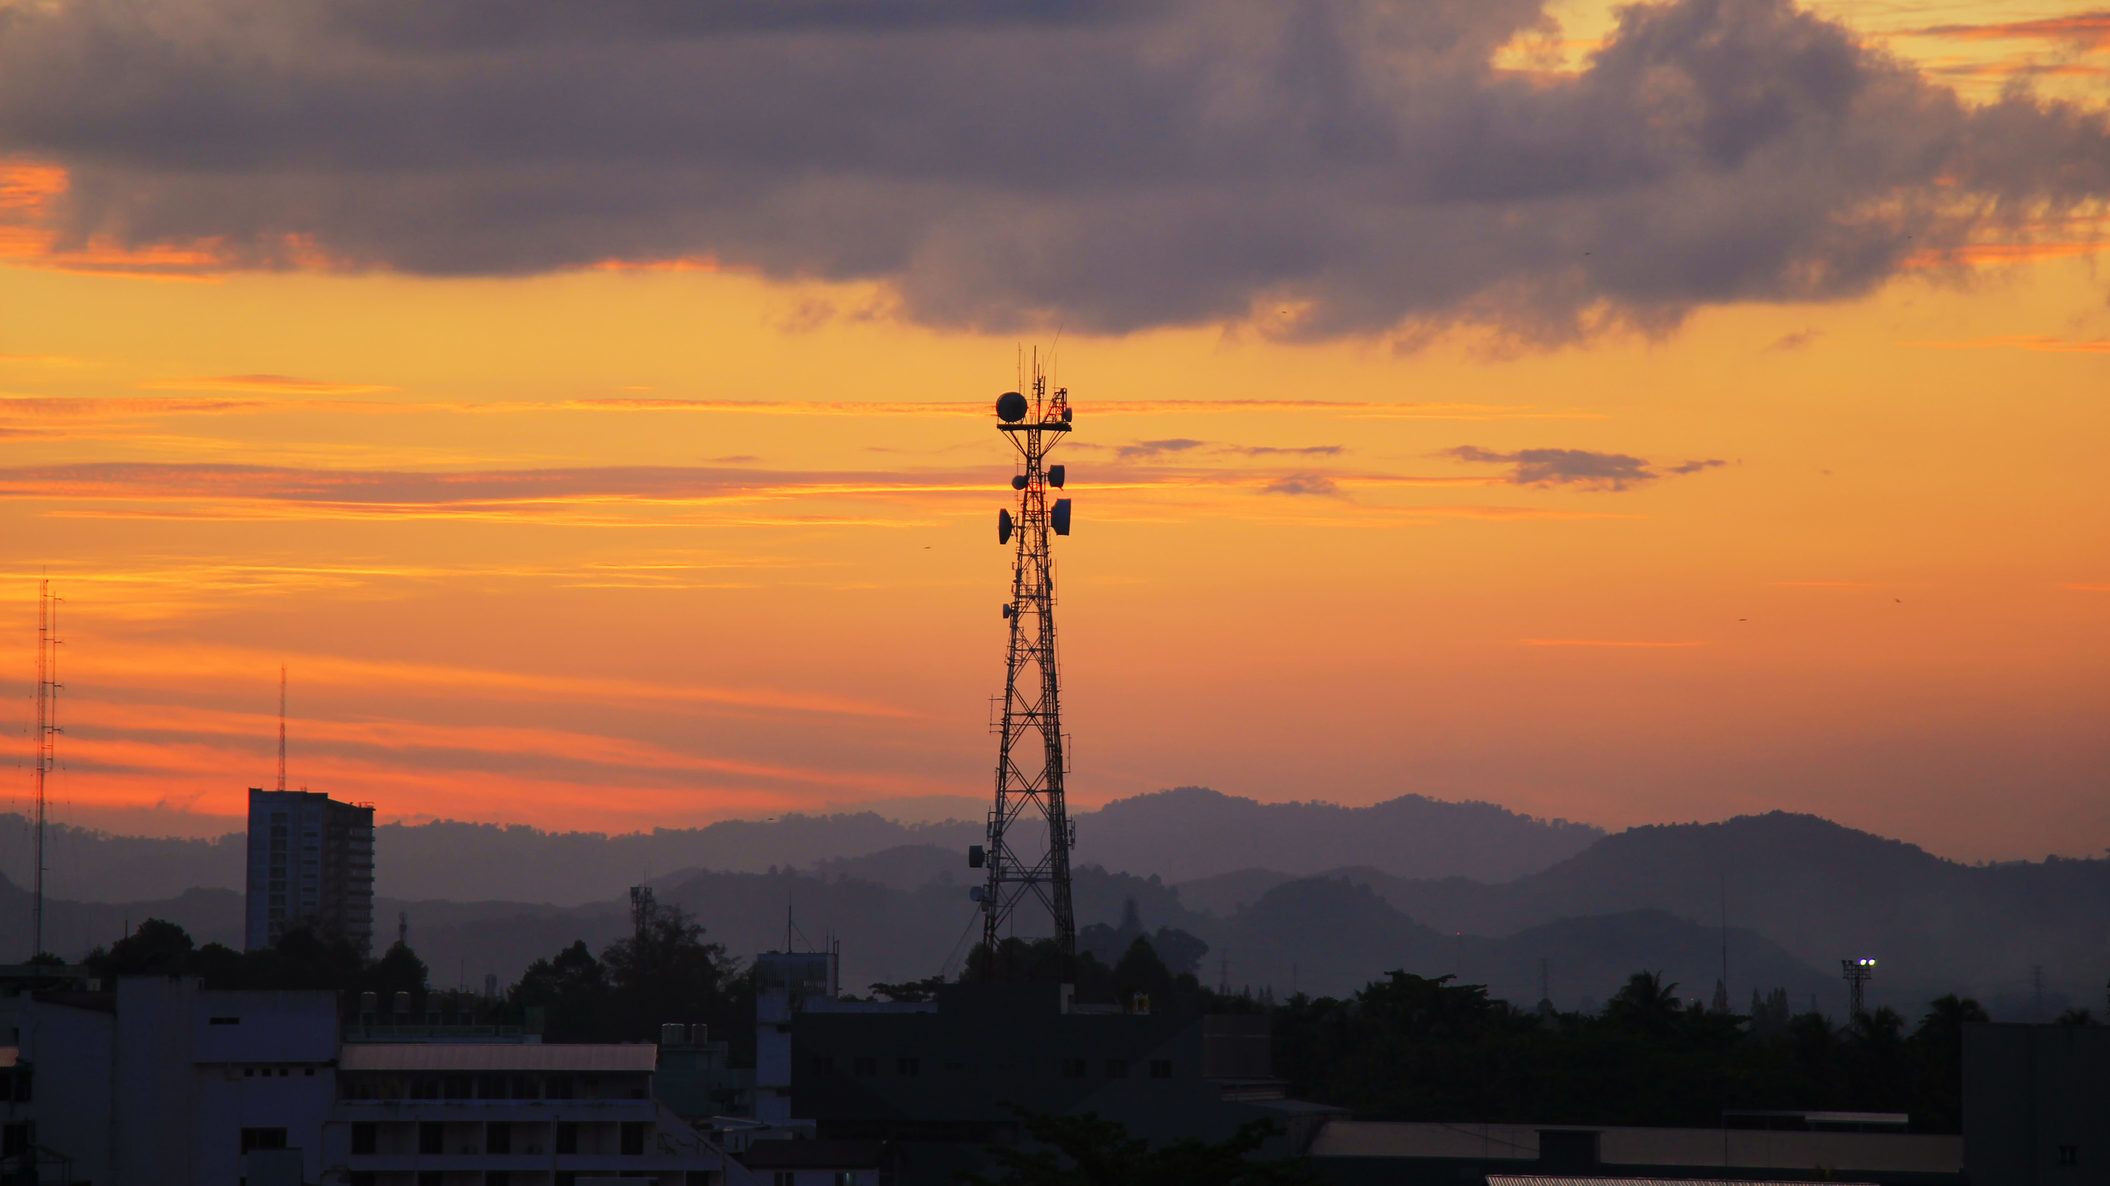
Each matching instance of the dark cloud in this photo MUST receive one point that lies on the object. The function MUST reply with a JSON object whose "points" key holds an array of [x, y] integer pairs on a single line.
{"points": [[1577, 467], [1141, 449], [1786, 343], [1160, 162], [1315, 484]]}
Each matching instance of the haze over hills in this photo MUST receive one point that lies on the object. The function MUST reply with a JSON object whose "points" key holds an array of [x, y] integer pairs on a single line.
{"points": [[1800, 893], [1177, 834]]}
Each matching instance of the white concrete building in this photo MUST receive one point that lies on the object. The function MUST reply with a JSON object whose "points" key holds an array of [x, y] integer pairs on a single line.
{"points": [[511, 1114]]}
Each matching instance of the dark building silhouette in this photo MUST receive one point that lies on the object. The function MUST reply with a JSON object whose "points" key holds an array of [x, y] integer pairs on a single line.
{"points": [[311, 863], [1828, 1147], [2036, 1104], [936, 1084]]}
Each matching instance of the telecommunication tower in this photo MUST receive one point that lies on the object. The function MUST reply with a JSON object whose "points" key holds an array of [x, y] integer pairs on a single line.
{"points": [[282, 727], [1030, 759], [46, 741]]}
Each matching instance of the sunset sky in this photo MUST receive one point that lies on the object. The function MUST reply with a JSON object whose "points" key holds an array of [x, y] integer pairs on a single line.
{"points": [[1625, 415]]}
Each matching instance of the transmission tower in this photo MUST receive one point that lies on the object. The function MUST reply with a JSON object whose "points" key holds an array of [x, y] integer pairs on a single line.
{"points": [[46, 742], [1029, 760], [282, 727]]}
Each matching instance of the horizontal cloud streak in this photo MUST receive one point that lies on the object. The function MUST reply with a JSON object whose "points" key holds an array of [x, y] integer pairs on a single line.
{"points": [[288, 384], [1358, 167]]}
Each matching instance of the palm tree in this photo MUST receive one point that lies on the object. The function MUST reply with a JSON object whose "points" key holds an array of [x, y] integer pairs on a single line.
{"points": [[1645, 1003]]}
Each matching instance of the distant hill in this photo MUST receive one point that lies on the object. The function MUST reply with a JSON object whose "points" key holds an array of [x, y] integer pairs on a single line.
{"points": [[1799, 894], [1194, 831], [94, 866], [1823, 892], [1328, 936]]}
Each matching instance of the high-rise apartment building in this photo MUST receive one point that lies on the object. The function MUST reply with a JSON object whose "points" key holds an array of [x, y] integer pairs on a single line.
{"points": [[311, 863]]}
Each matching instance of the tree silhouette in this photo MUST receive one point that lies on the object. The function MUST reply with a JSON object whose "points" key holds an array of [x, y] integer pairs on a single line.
{"points": [[1089, 1151]]}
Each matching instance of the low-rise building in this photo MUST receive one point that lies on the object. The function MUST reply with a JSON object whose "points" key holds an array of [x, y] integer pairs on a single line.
{"points": [[1353, 1153], [511, 1114], [2036, 1104], [163, 1082], [934, 1084]]}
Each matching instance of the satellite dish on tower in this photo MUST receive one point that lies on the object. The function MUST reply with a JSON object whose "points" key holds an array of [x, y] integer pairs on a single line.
{"points": [[1003, 526], [1011, 407]]}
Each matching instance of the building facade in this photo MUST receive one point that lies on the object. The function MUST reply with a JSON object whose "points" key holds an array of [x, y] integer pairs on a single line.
{"points": [[311, 863], [511, 1114], [163, 1082], [2036, 1104]]}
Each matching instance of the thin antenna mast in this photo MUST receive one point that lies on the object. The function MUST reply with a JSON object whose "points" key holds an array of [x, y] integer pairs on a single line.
{"points": [[281, 727], [46, 740], [1031, 759]]}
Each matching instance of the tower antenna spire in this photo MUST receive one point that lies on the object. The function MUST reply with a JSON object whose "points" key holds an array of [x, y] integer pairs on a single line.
{"points": [[1031, 753], [282, 727], [46, 742]]}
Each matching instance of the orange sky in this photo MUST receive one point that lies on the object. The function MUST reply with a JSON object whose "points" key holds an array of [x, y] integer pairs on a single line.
{"points": [[633, 546]]}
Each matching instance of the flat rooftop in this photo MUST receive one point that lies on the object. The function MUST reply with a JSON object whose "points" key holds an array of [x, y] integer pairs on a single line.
{"points": [[641, 1057]]}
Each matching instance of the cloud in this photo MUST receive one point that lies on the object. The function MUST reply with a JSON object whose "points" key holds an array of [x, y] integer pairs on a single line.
{"points": [[410, 491], [1578, 467], [2035, 343], [1288, 450], [2090, 30], [1315, 484], [1634, 644], [1156, 448], [261, 382], [1367, 165], [1794, 341], [1144, 450]]}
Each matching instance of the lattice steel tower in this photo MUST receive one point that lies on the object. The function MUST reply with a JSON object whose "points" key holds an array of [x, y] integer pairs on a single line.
{"points": [[45, 749], [1030, 761]]}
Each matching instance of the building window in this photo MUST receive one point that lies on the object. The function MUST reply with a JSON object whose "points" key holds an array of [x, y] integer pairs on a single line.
{"points": [[1117, 1068], [823, 1065], [364, 1137], [223, 1021], [2069, 1155], [1161, 1068], [865, 1067], [908, 1068], [432, 1178], [633, 1135], [498, 1138], [362, 1178], [1073, 1068], [567, 1137], [432, 1137], [263, 1138], [14, 1139], [784, 1178]]}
